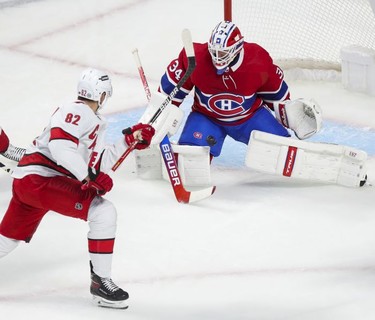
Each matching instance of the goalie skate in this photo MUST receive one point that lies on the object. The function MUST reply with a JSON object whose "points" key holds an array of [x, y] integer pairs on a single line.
{"points": [[107, 294]]}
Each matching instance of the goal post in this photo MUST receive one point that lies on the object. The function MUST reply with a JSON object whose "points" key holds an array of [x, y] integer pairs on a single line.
{"points": [[228, 10], [305, 33]]}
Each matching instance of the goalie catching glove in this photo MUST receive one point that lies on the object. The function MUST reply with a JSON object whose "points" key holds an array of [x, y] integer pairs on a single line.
{"points": [[303, 116], [141, 134]]}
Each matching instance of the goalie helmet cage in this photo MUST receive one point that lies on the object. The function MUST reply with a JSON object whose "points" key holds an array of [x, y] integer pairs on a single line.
{"points": [[305, 34]]}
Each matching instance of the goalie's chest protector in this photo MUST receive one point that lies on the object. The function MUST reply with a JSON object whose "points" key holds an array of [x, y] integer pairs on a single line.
{"points": [[233, 96]]}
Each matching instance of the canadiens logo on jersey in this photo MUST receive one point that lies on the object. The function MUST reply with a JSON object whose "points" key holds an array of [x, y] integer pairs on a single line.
{"points": [[226, 104]]}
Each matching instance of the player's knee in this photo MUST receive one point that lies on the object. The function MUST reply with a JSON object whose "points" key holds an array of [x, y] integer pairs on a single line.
{"points": [[102, 218]]}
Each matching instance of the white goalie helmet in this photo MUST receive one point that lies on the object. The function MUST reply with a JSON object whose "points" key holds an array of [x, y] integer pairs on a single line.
{"points": [[225, 43], [92, 84]]}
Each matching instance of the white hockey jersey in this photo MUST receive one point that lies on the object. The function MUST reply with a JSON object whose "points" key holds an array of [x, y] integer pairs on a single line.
{"points": [[72, 141]]}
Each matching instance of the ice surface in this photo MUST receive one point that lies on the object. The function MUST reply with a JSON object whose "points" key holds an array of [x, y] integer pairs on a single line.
{"points": [[260, 248]]}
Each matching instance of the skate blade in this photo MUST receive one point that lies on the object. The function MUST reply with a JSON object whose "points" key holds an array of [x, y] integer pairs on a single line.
{"points": [[101, 302]]}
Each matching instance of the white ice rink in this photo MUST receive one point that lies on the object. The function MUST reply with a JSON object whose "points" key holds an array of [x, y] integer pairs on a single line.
{"points": [[261, 247]]}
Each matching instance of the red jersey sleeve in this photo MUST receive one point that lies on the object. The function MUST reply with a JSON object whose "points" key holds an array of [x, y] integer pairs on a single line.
{"points": [[173, 74]]}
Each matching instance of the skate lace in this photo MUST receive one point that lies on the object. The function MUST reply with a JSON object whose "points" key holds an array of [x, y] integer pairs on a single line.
{"points": [[109, 285]]}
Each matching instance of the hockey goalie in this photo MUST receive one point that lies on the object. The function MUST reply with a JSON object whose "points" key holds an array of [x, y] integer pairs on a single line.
{"points": [[239, 92], [290, 157]]}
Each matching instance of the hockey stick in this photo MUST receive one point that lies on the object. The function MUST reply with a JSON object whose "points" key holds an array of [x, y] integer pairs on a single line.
{"points": [[142, 73], [182, 195], [188, 44]]}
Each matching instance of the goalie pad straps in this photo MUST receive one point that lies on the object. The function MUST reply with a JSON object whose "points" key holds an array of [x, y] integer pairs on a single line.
{"points": [[320, 162], [167, 122]]}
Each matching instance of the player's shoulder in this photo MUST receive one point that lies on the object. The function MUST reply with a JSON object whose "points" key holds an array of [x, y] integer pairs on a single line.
{"points": [[201, 51], [255, 47], [77, 107], [77, 113], [198, 47], [256, 52]]}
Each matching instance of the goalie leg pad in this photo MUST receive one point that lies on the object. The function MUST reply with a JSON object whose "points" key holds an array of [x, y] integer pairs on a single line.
{"points": [[193, 164], [149, 163], [321, 162]]}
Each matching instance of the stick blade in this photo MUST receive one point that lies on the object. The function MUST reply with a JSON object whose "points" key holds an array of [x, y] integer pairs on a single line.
{"points": [[188, 42], [201, 194], [184, 196]]}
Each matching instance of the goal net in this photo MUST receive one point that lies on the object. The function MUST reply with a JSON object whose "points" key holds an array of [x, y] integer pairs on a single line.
{"points": [[305, 34]]}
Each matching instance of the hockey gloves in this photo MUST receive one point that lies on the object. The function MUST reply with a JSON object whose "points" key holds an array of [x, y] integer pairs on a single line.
{"points": [[100, 181], [303, 116], [4, 141], [141, 134]]}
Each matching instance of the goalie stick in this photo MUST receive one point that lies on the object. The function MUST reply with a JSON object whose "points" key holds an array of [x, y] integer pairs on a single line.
{"points": [[182, 195], [188, 45]]}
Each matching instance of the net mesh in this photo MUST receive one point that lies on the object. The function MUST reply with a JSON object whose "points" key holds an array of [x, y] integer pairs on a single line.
{"points": [[309, 34]]}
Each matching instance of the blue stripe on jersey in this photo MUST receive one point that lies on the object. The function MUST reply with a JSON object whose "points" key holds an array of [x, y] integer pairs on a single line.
{"points": [[276, 95], [167, 87]]}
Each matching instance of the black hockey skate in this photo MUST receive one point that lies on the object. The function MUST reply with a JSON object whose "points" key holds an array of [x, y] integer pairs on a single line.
{"points": [[106, 294]]}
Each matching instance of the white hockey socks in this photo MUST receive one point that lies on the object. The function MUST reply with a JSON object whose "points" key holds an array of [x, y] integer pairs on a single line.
{"points": [[102, 219]]}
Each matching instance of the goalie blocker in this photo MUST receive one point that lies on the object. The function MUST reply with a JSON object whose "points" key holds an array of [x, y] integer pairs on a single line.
{"points": [[320, 162], [167, 123]]}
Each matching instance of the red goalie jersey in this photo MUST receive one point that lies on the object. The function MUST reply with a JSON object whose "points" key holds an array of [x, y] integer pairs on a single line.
{"points": [[251, 81]]}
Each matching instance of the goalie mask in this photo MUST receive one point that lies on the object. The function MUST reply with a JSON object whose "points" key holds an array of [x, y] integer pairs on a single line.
{"points": [[92, 84], [225, 43]]}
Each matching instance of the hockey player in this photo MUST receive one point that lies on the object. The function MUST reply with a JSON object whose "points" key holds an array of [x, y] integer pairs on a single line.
{"points": [[240, 92], [236, 84], [66, 170]]}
